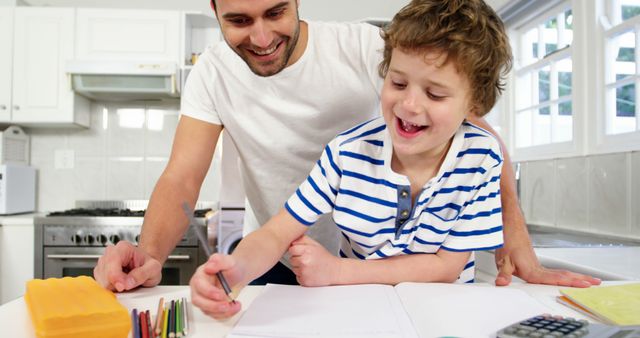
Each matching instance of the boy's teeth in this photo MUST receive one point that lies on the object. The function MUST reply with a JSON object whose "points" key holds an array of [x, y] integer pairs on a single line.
{"points": [[410, 127]]}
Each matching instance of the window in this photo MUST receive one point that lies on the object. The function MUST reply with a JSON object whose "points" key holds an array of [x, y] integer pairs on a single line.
{"points": [[622, 79], [544, 110]]}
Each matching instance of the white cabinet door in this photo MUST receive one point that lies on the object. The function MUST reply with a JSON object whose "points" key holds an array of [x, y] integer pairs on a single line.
{"points": [[6, 49], [129, 35], [43, 42], [16, 259]]}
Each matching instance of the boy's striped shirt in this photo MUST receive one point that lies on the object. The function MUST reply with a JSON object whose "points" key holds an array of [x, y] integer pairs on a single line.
{"points": [[457, 210]]}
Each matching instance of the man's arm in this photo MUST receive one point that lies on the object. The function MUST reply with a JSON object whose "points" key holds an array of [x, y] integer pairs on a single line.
{"points": [[125, 266], [517, 257], [164, 222]]}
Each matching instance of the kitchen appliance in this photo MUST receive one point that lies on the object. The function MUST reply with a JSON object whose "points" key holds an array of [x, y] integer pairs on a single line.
{"points": [[69, 243], [124, 81], [14, 146], [17, 189], [225, 226]]}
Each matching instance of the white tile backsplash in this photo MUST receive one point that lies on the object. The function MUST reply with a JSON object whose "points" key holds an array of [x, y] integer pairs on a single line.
{"points": [[608, 193], [540, 188], [118, 157], [571, 193], [597, 193]]}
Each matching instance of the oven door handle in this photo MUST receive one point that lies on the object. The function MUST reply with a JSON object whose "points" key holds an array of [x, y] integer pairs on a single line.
{"points": [[170, 258]]}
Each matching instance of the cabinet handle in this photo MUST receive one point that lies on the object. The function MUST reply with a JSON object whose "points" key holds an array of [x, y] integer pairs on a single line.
{"points": [[3, 107], [16, 107]]}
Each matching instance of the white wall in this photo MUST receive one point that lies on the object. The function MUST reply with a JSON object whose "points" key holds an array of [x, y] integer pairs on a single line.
{"points": [[329, 10], [338, 10]]}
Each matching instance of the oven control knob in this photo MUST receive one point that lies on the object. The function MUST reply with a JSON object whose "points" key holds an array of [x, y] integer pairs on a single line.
{"points": [[77, 239], [102, 239], [137, 238], [114, 239], [89, 239]]}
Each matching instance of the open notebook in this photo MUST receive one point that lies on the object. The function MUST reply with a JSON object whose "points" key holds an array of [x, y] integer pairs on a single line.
{"points": [[373, 310]]}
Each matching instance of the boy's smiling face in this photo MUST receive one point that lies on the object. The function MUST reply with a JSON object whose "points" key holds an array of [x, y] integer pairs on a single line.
{"points": [[424, 101]]}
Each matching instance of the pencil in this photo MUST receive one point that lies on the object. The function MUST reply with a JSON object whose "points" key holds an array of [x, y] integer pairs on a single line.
{"points": [[160, 316], [144, 333], [172, 321], [185, 314], [134, 322], [205, 246], [178, 319], [165, 316], [147, 314]]}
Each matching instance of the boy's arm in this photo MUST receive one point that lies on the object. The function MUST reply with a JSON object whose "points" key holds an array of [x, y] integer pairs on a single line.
{"points": [[254, 255], [315, 266], [517, 257]]}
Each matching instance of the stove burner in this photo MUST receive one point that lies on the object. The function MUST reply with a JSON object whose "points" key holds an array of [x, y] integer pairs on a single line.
{"points": [[112, 212]]}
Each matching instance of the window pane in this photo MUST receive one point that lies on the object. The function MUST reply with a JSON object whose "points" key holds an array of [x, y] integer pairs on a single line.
{"points": [[563, 128], [544, 86], [523, 129], [623, 47], [542, 126], [550, 36], [624, 118], [565, 109], [530, 47], [626, 101], [568, 19], [629, 9], [564, 77]]}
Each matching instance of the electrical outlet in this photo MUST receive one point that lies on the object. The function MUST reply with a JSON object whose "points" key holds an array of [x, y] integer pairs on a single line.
{"points": [[64, 159]]}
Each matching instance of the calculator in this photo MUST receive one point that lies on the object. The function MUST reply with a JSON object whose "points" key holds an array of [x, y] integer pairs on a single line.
{"points": [[548, 326]]}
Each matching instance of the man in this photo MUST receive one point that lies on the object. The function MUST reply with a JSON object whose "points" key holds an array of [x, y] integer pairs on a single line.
{"points": [[281, 88]]}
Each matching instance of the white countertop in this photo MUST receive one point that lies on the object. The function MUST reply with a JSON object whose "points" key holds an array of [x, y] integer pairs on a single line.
{"points": [[15, 321], [608, 263], [21, 219]]}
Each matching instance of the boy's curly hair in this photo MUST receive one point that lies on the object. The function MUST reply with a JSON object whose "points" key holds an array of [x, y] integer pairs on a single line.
{"points": [[468, 31]]}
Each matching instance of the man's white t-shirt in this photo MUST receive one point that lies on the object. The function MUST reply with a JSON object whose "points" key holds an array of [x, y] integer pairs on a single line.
{"points": [[280, 123]]}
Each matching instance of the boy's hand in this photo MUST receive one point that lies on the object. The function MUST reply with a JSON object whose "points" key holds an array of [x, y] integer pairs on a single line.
{"points": [[313, 264], [206, 291]]}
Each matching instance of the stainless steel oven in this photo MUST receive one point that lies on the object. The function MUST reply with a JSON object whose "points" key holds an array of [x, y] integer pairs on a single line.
{"points": [[69, 243]]}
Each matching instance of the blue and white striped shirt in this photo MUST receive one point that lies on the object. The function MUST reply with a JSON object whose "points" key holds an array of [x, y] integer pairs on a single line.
{"points": [[457, 210]]}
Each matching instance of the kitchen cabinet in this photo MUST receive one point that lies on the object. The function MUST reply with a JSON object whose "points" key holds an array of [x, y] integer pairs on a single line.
{"points": [[41, 95], [6, 55], [128, 35], [16, 256]]}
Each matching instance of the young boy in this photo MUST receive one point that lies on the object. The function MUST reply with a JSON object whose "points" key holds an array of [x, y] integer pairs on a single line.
{"points": [[414, 192]]}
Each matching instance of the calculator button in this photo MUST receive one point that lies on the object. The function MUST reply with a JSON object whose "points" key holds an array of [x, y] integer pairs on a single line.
{"points": [[544, 331], [571, 336], [548, 336]]}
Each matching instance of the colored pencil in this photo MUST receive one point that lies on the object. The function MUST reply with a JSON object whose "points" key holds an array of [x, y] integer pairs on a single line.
{"points": [[134, 322], [185, 314], [144, 333], [160, 316], [172, 321], [164, 322], [147, 314]]}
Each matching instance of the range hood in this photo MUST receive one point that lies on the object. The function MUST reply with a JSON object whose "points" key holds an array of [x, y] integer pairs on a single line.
{"points": [[124, 81]]}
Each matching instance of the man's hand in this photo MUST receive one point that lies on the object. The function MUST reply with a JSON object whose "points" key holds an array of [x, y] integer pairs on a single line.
{"points": [[125, 266], [313, 264], [206, 291], [518, 258]]}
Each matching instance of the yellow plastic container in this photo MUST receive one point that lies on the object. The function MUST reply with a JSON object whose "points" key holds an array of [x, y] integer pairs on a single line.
{"points": [[75, 307]]}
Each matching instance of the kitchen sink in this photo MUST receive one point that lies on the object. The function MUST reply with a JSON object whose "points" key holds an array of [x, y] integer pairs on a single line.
{"points": [[547, 237]]}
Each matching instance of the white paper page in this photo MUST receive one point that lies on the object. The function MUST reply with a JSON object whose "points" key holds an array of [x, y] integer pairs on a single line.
{"points": [[334, 311], [461, 310]]}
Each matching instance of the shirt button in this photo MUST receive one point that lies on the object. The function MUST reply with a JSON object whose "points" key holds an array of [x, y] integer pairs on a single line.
{"points": [[404, 213], [404, 194]]}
